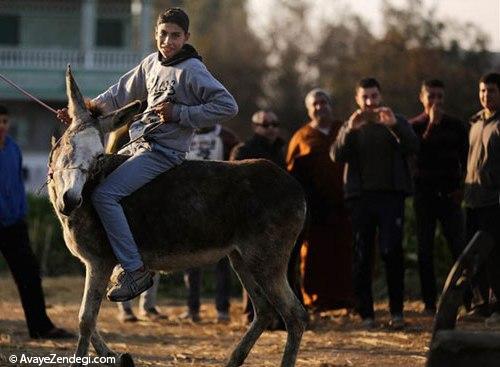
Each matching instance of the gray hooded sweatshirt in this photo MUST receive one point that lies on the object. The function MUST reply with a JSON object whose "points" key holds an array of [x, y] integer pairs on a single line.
{"points": [[199, 99]]}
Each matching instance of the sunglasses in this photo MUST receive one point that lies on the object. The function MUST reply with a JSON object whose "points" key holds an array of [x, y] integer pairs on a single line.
{"points": [[266, 125]]}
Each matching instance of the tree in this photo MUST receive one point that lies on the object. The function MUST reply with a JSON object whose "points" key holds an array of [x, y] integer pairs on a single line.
{"points": [[231, 51]]}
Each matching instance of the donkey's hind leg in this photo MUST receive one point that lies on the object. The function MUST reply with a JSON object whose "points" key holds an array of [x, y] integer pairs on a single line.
{"points": [[286, 303], [96, 280], [263, 311]]}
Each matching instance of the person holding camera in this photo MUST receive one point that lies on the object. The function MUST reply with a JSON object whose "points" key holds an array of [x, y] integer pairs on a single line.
{"points": [[374, 144]]}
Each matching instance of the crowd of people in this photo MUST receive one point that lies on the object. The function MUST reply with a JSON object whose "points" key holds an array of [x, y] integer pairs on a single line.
{"points": [[356, 175]]}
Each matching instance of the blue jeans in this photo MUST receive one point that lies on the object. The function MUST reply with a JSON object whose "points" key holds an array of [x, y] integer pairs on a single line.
{"points": [[148, 161], [383, 211]]}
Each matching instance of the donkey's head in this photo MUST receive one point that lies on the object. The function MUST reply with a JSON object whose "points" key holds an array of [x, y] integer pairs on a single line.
{"points": [[72, 157]]}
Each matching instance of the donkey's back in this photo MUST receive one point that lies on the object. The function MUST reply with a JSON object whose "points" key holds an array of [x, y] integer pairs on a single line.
{"points": [[200, 211]]}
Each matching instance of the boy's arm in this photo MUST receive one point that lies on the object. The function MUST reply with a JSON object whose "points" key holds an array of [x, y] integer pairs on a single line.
{"points": [[130, 87], [217, 104]]}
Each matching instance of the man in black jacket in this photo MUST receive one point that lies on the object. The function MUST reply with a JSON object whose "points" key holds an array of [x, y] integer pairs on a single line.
{"points": [[438, 177], [266, 144], [374, 144]]}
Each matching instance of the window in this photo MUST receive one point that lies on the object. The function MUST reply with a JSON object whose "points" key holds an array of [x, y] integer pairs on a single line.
{"points": [[9, 29], [110, 33]]}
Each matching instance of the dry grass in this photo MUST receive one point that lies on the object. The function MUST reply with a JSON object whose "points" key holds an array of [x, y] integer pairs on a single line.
{"points": [[333, 339]]}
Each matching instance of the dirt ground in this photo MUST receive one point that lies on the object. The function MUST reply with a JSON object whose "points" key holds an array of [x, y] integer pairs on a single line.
{"points": [[333, 339]]}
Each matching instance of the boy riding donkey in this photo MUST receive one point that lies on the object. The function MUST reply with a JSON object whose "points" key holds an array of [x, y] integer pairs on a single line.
{"points": [[182, 96]]}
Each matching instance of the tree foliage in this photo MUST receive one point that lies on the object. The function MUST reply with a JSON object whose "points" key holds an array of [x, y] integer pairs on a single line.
{"points": [[414, 45], [231, 51], [276, 66]]}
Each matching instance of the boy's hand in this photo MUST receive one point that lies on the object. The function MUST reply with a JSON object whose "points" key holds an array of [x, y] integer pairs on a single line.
{"points": [[164, 111], [63, 115], [435, 114], [386, 116]]}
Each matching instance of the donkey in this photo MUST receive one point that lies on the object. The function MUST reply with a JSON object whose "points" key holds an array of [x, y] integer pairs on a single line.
{"points": [[251, 211]]}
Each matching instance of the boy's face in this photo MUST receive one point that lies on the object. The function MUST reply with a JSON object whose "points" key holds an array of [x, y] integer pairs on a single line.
{"points": [[4, 126], [489, 95], [368, 98], [431, 96], [170, 38]]}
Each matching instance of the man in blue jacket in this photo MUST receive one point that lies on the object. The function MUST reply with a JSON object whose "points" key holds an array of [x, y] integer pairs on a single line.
{"points": [[14, 241]]}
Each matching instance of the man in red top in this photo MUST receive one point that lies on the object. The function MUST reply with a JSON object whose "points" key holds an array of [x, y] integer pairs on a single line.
{"points": [[326, 249]]}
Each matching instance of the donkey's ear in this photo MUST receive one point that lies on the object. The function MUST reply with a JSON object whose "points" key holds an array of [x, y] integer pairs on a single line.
{"points": [[120, 117], [76, 104]]}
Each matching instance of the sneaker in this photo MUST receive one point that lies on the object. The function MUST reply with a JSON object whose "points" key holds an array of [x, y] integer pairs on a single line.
{"points": [[151, 314], [223, 317], [189, 315], [129, 284], [126, 315], [397, 322], [368, 323], [493, 321]]}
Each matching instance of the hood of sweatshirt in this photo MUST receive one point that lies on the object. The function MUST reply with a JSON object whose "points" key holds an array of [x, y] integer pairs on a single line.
{"points": [[187, 52]]}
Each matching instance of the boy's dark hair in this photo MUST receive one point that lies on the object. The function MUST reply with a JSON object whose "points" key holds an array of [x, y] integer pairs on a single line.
{"points": [[176, 16], [491, 78], [368, 83], [432, 83], [3, 110]]}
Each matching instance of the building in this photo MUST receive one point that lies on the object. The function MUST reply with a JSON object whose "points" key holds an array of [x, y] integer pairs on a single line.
{"points": [[101, 39]]}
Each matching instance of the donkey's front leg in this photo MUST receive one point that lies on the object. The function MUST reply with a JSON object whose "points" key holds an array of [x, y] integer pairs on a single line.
{"points": [[96, 280], [102, 350]]}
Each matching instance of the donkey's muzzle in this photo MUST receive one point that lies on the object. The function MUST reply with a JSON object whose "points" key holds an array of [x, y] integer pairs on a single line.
{"points": [[69, 203]]}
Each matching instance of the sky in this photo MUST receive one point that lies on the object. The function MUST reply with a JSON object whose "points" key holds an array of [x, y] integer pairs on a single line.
{"points": [[483, 13]]}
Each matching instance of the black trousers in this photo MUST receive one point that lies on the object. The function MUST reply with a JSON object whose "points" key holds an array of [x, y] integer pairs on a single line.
{"points": [[382, 211], [486, 219], [192, 279], [431, 207], [15, 247]]}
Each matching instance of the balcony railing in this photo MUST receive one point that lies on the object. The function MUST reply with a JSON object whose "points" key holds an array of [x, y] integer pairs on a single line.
{"points": [[18, 58]]}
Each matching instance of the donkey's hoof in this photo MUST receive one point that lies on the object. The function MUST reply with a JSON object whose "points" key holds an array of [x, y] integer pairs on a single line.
{"points": [[126, 360]]}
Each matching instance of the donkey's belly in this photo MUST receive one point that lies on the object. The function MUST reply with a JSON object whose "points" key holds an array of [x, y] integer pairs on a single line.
{"points": [[184, 260]]}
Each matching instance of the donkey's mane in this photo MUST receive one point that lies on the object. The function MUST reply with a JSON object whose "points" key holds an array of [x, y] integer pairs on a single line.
{"points": [[96, 110]]}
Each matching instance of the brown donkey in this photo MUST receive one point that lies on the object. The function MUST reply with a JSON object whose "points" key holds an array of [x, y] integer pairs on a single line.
{"points": [[251, 211]]}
